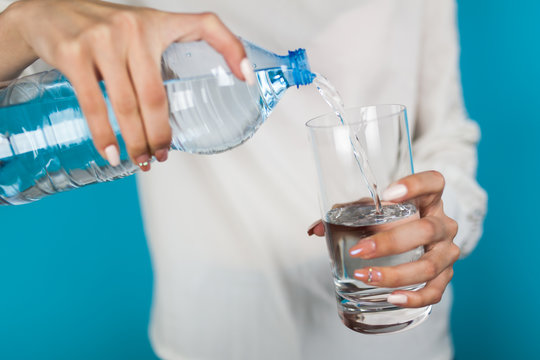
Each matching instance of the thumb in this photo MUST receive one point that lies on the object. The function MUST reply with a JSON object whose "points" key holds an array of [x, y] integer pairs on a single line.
{"points": [[425, 188]]}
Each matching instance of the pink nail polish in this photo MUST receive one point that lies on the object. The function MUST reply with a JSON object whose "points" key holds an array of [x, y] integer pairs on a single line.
{"points": [[311, 229], [363, 249], [162, 154], [143, 162]]}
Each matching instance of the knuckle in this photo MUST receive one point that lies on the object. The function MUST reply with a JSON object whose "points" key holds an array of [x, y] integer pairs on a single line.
{"points": [[455, 253], [436, 298], [99, 34], [438, 177], [209, 21], [393, 278], [93, 106], [428, 227], [450, 274], [125, 106], [126, 19], [69, 52], [430, 269], [209, 17], [154, 96], [453, 227]]}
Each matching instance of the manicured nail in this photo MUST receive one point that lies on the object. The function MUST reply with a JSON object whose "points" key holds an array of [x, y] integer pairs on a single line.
{"points": [[143, 162], [113, 157], [368, 275], [162, 154], [247, 71], [311, 228], [394, 192], [363, 249], [397, 299]]}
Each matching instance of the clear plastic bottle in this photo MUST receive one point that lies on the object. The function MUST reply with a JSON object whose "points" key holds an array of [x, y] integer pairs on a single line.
{"points": [[46, 146]]}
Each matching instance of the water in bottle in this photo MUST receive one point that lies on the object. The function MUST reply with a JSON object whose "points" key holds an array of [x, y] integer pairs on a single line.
{"points": [[46, 146]]}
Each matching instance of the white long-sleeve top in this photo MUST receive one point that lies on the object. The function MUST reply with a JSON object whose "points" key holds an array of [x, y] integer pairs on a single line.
{"points": [[236, 276]]}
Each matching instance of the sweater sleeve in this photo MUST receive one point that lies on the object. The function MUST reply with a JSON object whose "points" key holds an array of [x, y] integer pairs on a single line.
{"points": [[445, 138], [4, 4]]}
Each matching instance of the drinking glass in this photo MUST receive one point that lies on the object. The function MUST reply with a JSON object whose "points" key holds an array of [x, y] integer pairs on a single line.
{"points": [[369, 150]]}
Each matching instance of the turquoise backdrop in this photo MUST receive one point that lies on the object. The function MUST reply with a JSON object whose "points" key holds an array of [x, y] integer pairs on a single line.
{"points": [[496, 311], [75, 273]]}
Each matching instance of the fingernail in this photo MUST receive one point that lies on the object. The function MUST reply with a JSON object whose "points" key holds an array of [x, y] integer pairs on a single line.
{"points": [[143, 162], [394, 192], [162, 154], [397, 299], [311, 228], [368, 275], [113, 157], [247, 71], [363, 249]]}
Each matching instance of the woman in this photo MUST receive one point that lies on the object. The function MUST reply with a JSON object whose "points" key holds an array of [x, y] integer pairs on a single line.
{"points": [[236, 277]]}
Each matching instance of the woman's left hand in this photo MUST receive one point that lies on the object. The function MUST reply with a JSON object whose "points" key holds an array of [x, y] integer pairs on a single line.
{"points": [[433, 230]]}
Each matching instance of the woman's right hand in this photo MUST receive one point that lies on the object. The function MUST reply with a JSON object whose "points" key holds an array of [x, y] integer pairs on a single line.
{"points": [[90, 41]]}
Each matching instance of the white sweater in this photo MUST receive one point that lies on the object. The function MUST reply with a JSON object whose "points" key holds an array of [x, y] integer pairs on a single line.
{"points": [[236, 276]]}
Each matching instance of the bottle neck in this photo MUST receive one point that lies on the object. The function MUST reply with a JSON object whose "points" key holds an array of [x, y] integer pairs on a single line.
{"points": [[294, 66], [299, 71]]}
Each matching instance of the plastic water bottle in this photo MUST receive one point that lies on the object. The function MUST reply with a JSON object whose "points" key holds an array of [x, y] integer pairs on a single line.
{"points": [[46, 146]]}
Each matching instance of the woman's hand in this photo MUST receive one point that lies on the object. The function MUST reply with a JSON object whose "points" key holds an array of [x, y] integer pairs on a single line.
{"points": [[93, 40], [433, 230]]}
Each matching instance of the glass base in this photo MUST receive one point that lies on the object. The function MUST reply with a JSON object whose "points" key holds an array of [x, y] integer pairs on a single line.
{"points": [[385, 319]]}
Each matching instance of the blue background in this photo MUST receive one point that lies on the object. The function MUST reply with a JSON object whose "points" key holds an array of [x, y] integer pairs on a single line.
{"points": [[496, 311], [75, 273]]}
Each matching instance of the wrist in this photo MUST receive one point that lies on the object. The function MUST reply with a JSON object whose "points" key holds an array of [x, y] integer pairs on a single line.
{"points": [[15, 52]]}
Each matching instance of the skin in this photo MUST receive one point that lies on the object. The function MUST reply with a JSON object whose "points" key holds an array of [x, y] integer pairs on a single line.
{"points": [[434, 230], [89, 41]]}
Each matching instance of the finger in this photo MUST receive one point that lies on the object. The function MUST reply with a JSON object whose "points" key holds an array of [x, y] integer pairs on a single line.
{"points": [[428, 267], [316, 228], [208, 27], [402, 238], [124, 102], [426, 186], [83, 78], [152, 99], [430, 294]]}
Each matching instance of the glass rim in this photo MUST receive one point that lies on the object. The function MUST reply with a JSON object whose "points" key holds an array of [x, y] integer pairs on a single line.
{"points": [[311, 122]]}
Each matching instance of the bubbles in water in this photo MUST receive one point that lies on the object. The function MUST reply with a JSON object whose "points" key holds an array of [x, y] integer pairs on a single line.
{"points": [[363, 215]]}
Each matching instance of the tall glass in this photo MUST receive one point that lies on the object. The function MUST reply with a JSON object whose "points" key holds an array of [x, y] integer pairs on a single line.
{"points": [[380, 134]]}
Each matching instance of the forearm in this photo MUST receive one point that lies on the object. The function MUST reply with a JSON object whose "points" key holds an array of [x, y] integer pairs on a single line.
{"points": [[15, 54]]}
